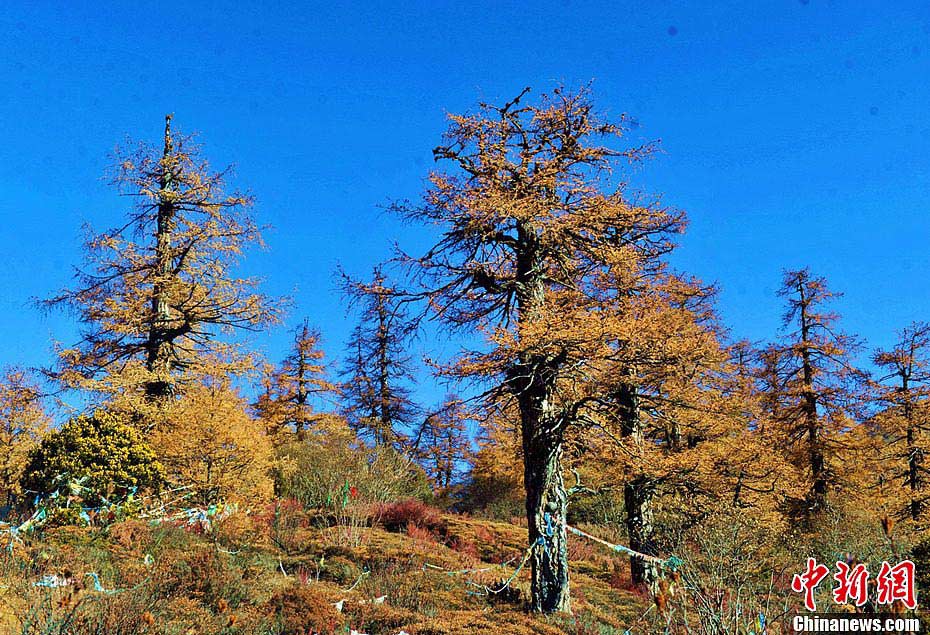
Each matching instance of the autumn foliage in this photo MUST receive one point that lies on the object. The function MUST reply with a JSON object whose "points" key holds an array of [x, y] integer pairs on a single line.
{"points": [[605, 456]]}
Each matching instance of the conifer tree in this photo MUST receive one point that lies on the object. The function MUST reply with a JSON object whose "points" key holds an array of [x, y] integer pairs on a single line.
{"points": [[757, 476], [378, 371], [813, 385], [495, 478], [443, 442], [532, 221], [156, 291], [212, 446], [23, 422], [658, 396], [101, 451], [294, 390], [904, 416]]}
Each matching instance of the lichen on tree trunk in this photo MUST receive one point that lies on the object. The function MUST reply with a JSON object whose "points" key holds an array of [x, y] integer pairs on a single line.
{"points": [[637, 491], [637, 496], [546, 509]]}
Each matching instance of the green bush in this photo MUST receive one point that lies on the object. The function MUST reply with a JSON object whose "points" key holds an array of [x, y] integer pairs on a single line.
{"points": [[495, 496], [100, 456], [328, 472]]}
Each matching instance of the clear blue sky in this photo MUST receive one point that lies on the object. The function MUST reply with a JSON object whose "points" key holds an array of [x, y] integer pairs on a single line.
{"points": [[794, 133]]}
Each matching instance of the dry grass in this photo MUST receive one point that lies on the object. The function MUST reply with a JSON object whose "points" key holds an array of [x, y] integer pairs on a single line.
{"points": [[281, 570]]}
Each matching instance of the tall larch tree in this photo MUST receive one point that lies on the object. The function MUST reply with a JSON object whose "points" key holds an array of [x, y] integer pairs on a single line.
{"points": [[813, 385], [762, 473], [295, 391], [154, 293], [495, 477], [627, 399], [531, 217], [665, 414], [23, 422], [378, 371], [904, 417]]}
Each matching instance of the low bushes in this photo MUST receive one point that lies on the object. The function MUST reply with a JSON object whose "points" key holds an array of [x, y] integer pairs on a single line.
{"points": [[334, 471], [399, 515], [299, 610]]}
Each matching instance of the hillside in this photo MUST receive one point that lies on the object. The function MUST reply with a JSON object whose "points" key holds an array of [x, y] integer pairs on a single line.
{"points": [[527, 392], [280, 571]]}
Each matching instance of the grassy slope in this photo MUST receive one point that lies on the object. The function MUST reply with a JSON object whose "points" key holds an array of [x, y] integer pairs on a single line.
{"points": [[268, 573]]}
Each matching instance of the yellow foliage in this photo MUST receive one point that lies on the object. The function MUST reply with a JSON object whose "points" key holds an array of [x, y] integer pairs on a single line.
{"points": [[210, 443], [22, 424], [153, 293], [293, 389]]}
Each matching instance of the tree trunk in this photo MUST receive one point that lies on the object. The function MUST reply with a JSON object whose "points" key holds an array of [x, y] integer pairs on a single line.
{"points": [[546, 507], [817, 498], [914, 459], [158, 347], [532, 380], [818, 492], [300, 420], [637, 498], [637, 491], [386, 424], [914, 453]]}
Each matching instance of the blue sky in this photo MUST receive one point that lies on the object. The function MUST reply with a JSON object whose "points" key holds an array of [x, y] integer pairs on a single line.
{"points": [[793, 132]]}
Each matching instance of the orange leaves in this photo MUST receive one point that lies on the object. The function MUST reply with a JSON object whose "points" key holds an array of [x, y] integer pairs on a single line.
{"points": [[812, 387], [175, 251], [294, 389], [22, 424], [533, 247], [209, 442]]}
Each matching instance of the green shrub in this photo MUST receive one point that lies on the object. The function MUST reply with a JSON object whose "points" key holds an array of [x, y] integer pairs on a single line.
{"points": [[332, 471], [100, 456]]}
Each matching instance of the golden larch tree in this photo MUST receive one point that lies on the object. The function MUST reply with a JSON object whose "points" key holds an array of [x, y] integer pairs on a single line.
{"points": [[154, 293], [23, 422], [211, 445], [295, 389], [531, 218], [903, 419], [664, 410], [495, 477], [814, 385]]}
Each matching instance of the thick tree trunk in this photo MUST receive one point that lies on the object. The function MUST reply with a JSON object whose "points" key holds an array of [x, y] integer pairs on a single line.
{"points": [[637, 492], [546, 510], [637, 497], [818, 492], [817, 498], [532, 380]]}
